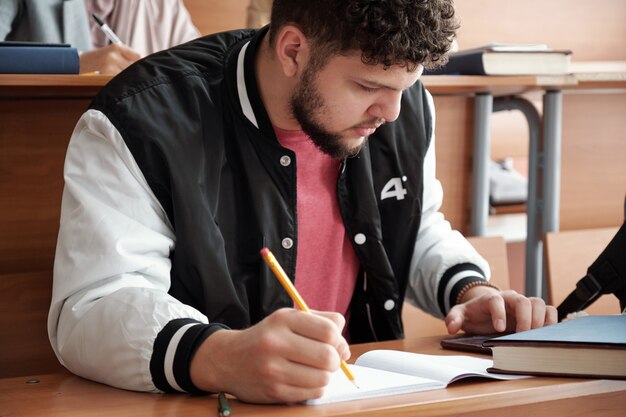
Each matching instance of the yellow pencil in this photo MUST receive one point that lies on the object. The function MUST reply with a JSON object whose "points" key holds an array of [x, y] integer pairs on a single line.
{"points": [[269, 258]]}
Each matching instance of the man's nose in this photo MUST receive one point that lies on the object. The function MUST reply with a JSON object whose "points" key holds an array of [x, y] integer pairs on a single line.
{"points": [[387, 107]]}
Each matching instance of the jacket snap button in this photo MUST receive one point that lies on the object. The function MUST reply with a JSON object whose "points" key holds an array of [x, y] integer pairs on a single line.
{"points": [[359, 238], [389, 305], [287, 243], [285, 160]]}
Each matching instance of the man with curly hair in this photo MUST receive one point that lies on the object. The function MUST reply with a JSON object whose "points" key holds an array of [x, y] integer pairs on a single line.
{"points": [[313, 137]]}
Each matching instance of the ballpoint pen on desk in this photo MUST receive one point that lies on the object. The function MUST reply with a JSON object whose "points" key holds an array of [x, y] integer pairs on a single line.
{"points": [[223, 407], [269, 258], [107, 30]]}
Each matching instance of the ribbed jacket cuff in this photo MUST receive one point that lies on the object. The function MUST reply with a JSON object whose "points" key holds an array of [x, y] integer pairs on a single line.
{"points": [[453, 280], [172, 353]]}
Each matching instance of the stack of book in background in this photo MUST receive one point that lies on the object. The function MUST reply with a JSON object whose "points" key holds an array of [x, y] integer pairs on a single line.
{"points": [[38, 58], [505, 59]]}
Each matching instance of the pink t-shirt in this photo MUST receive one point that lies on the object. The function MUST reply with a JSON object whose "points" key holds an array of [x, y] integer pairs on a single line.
{"points": [[326, 265]]}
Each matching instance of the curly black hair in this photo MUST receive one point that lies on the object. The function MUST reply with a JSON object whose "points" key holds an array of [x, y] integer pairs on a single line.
{"points": [[388, 32]]}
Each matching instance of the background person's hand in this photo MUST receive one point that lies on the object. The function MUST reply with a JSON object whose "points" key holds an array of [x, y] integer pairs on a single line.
{"points": [[287, 357], [108, 60], [485, 310]]}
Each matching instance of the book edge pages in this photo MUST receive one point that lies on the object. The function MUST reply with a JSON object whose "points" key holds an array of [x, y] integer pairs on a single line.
{"points": [[560, 360]]}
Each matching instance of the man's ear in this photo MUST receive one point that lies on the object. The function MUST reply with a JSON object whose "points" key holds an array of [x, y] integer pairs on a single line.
{"points": [[292, 50]]}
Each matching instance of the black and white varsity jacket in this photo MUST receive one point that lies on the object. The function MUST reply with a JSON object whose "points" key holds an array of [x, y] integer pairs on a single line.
{"points": [[174, 180]]}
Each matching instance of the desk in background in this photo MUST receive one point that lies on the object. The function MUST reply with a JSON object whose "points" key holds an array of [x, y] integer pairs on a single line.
{"points": [[37, 116], [544, 144], [65, 395], [50, 86], [589, 117]]}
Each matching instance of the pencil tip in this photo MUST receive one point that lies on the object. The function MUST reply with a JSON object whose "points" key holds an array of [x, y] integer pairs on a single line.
{"points": [[355, 384]]}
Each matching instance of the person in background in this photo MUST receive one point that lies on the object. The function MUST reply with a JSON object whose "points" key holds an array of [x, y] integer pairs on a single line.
{"points": [[312, 136], [145, 26]]}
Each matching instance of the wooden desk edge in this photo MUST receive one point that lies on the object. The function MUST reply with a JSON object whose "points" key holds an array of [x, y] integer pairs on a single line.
{"points": [[57, 85], [86, 86], [71, 395], [25, 86], [53, 80]]}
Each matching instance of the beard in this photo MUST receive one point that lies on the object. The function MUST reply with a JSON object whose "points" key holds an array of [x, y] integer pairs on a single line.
{"points": [[306, 106]]}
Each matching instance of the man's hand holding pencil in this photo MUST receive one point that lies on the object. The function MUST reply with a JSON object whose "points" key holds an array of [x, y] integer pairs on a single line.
{"points": [[287, 357]]}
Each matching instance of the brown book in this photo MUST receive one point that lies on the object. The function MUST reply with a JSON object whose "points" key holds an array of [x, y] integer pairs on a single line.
{"points": [[591, 347]]}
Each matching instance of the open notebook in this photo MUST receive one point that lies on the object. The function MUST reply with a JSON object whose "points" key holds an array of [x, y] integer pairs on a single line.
{"points": [[391, 372]]}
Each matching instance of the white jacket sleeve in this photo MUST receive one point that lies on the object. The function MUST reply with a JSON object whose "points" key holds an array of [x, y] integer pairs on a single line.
{"points": [[112, 269], [443, 260]]}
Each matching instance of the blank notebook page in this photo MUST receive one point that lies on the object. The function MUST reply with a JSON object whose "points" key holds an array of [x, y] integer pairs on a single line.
{"points": [[372, 383]]}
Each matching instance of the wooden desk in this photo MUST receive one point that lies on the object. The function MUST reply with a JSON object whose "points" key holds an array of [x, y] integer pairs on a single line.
{"points": [[494, 85], [63, 394], [20, 86], [37, 116], [541, 202], [544, 173], [464, 106]]}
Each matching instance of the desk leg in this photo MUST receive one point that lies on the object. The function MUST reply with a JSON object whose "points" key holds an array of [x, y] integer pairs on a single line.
{"points": [[543, 175], [552, 120], [551, 144], [534, 246], [483, 105]]}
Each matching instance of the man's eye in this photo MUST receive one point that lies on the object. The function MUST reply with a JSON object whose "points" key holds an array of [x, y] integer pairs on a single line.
{"points": [[367, 89]]}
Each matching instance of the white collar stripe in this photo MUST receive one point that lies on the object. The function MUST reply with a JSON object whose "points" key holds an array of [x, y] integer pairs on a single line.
{"points": [[244, 100]]}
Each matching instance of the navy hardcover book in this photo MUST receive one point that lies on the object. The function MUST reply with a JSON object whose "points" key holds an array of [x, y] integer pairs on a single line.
{"points": [[497, 59], [38, 58], [592, 346]]}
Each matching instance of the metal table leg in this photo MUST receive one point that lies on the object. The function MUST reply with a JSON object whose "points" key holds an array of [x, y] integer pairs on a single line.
{"points": [[552, 122], [483, 105], [534, 245]]}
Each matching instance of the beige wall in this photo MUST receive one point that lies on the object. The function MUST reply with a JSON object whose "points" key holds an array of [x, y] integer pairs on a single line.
{"points": [[593, 30], [211, 16]]}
